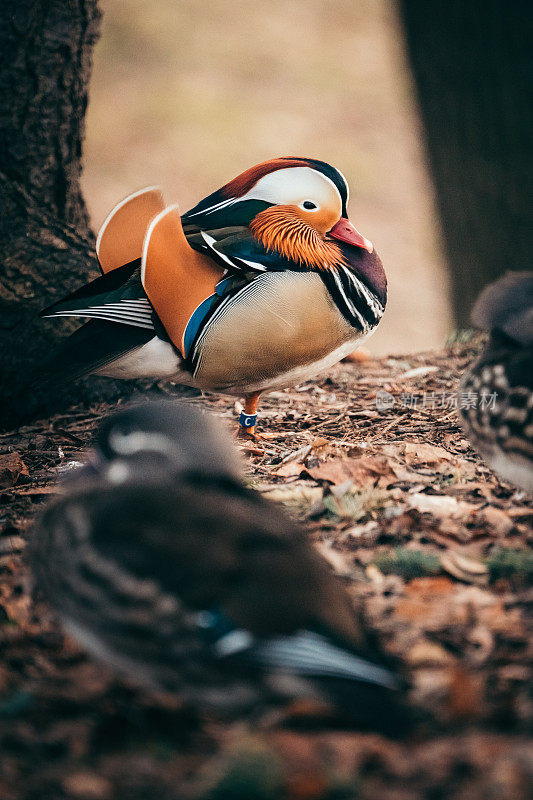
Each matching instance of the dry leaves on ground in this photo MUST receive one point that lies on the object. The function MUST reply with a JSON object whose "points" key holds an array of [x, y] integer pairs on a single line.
{"points": [[423, 535]]}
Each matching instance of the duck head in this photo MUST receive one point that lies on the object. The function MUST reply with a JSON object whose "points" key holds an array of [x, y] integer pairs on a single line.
{"points": [[506, 307], [294, 207]]}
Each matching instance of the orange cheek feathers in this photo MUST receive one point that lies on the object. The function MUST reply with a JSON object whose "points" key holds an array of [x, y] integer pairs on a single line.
{"points": [[287, 231], [322, 220]]}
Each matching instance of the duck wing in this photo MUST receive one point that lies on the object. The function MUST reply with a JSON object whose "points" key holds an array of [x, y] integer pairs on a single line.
{"points": [[117, 296]]}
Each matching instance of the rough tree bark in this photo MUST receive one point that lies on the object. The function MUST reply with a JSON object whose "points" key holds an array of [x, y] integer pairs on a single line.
{"points": [[473, 65], [46, 245]]}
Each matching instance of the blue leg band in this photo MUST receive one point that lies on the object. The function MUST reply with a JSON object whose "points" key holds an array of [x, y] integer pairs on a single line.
{"points": [[247, 420]]}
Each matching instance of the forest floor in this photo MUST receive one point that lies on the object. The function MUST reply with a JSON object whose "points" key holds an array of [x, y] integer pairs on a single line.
{"points": [[420, 531]]}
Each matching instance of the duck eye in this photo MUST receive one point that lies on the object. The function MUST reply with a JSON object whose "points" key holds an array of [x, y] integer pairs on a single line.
{"points": [[308, 204]]}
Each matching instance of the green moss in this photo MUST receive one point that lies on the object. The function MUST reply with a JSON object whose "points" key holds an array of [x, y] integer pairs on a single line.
{"points": [[408, 563], [515, 565], [255, 773], [249, 775], [503, 564], [461, 336]]}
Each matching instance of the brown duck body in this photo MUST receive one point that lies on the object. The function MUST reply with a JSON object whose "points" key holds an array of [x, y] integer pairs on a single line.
{"points": [[497, 389], [162, 564], [261, 285], [283, 329]]}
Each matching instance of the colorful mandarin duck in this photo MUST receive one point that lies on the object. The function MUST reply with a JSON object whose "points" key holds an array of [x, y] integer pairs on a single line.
{"points": [[264, 283], [163, 564], [497, 391]]}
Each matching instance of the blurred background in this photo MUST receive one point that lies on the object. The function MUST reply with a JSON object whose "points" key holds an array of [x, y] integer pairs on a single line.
{"points": [[187, 95]]}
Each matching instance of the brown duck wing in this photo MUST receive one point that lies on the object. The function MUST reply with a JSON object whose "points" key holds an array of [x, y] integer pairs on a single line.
{"points": [[176, 278], [239, 554], [121, 237]]}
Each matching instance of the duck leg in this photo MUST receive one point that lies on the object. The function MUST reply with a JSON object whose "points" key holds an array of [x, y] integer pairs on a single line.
{"points": [[248, 417]]}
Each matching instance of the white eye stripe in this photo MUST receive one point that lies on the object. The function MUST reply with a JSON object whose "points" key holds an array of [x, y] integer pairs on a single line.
{"points": [[345, 185], [294, 186]]}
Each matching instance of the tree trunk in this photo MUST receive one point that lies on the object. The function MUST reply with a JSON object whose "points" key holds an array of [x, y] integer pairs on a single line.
{"points": [[472, 61], [47, 248]]}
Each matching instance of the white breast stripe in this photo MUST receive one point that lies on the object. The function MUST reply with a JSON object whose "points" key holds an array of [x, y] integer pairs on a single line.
{"points": [[362, 290], [209, 240], [253, 264], [348, 302]]}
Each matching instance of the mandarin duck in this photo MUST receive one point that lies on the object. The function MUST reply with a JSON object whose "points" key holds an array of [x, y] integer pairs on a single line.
{"points": [[161, 563], [499, 418], [261, 285]]}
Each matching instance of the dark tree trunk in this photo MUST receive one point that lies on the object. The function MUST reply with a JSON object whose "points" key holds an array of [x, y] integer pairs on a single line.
{"points": [[46, 245], [472, 61]]}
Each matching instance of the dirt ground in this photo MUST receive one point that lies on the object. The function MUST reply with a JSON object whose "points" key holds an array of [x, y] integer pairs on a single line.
{"points": [[420, 531]]}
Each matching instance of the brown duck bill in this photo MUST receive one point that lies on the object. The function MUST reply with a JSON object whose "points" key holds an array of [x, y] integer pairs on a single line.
{"points": [[345, 232]]}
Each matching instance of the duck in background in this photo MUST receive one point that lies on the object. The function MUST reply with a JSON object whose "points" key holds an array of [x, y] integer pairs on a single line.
{"points": [[161, 563], [261, 285], [499, 422]]}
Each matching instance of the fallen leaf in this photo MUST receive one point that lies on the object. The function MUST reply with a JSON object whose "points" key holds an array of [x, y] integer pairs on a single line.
{"points": [[499, 520], [290, 469], [364, 471], [483, 644], [11, 468], [430, 589], [417, 372], [299, 456], [341, 562], [520, 513], [17, 606], [374, 574], [420, 453], [426, 654], [11, 544], [478, 598], [464, 693], [252, 449], [464, 568], [87, 786], [38, 490], [366, 534], [340, 489], [294, 494], [440, 505]]}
